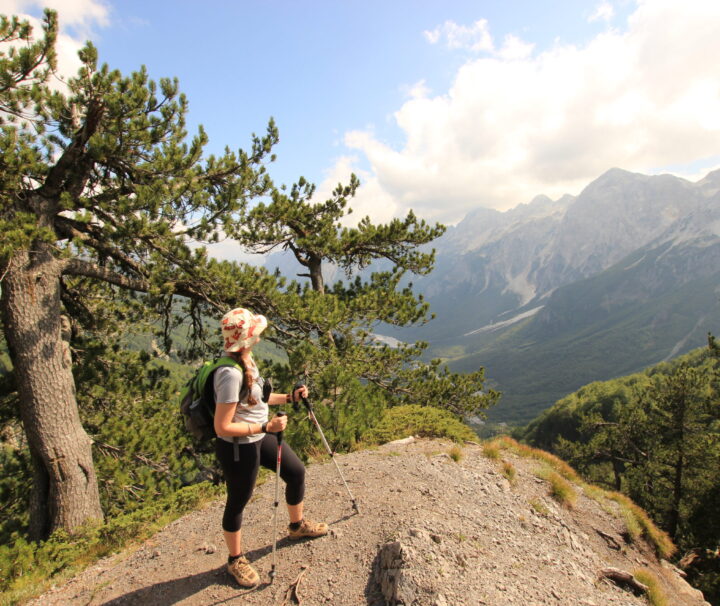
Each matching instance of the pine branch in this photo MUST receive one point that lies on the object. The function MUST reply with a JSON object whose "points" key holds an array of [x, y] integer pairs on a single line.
{"points": [[81, 267], [116, 452], [71, 229], [66, 168]]}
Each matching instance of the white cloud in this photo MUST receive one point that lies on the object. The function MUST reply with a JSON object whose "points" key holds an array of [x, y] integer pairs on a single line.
{"points": [[78, 20], [475, 37], [79, 14], [515, 48], [419, 90], [230, 250], [517, 122], [603, 12], [371, 198]]}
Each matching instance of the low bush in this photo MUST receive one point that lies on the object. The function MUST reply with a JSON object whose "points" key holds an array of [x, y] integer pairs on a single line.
{"points": [[413, 420]]}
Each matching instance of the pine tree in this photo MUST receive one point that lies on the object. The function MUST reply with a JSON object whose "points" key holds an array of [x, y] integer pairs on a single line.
{"points": [[101, 193], [100, 190], [315, 235], [684, 450], [333, 333]]}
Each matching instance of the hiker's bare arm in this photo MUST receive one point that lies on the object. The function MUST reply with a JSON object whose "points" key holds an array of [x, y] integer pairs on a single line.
{"points": [[278, 399], [224, 425]]}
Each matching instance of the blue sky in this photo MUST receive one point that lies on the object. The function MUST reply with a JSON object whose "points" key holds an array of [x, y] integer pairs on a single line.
{"points": [[437, 106]]}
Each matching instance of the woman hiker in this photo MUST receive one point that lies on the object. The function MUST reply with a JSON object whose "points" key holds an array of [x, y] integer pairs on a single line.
{"points": [[241, 416]]}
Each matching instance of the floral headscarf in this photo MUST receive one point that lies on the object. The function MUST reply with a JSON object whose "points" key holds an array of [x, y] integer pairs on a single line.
{"points": [[241, 329]]}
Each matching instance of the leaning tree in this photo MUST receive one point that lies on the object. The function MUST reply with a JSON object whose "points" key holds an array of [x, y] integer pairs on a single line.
{"points": [[100, 183]]}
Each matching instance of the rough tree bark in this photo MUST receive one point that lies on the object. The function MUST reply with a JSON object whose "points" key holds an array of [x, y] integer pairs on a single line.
{"points": [[65, 490]]}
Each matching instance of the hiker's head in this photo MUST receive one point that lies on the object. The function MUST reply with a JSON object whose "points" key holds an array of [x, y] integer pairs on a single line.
{"points": [[241, 329]]}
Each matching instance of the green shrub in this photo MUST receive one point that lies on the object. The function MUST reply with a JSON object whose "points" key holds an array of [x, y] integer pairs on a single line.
{"points": [[413, 420]]}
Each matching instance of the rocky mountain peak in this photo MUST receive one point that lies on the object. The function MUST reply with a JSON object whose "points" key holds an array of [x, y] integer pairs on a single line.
{"points": [[710, 185]]}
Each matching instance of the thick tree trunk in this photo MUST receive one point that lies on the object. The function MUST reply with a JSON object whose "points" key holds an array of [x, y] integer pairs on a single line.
{"points": [[65, 491]]}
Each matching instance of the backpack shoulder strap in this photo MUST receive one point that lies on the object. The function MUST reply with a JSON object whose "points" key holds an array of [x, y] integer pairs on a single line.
{"points": [[204, 386]]}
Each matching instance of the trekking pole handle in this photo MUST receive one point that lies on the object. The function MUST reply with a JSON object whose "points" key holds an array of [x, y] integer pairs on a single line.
{"points": [[305, 401], [280, 413]]}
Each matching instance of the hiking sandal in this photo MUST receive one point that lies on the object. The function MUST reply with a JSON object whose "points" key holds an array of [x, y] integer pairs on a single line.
{"points": [[308, 530], [244, 574]]}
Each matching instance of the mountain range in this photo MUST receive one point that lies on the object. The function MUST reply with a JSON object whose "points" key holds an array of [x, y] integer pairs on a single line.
{"points": [[554, 294]]}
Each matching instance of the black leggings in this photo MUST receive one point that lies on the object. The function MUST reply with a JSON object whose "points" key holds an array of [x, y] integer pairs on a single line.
{"points": [[240, 475]]}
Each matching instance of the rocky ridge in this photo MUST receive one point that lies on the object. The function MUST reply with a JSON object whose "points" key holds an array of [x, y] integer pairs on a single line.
{"points": [[431, 531]]}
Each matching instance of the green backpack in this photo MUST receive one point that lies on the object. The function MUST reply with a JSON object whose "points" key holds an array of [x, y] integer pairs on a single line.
{"points": [[197, 400]]}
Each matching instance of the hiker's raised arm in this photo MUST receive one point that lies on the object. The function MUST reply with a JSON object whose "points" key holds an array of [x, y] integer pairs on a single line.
{"points": [[280, 399]]}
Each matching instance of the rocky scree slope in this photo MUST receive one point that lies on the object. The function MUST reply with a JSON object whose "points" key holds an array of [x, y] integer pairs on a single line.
{"points": [[431, 531]]}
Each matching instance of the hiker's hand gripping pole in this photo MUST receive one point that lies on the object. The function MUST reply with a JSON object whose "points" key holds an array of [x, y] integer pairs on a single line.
{"points": [[313, 418], [277, 499]]}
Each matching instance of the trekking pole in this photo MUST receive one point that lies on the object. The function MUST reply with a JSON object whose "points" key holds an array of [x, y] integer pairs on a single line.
{"points": [[277, 499], [311, 413]]}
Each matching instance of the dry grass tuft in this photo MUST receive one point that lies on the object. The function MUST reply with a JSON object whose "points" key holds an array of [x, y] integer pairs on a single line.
{"points": [[456, 454], [523, 450], [639, 523], [539, 506], [561, 490], [655, 594], [509, 471], [491, 451]]}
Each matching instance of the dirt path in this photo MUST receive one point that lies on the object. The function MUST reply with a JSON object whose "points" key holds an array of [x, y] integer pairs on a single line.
{"points": [[431, 531]]}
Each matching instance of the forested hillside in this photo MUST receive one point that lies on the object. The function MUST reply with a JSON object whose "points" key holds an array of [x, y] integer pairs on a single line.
{"points": [[655, 436]]}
